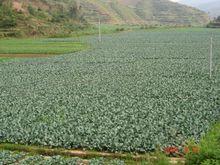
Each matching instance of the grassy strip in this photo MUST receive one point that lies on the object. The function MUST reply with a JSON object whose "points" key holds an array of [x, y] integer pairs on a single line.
{"points": [[76, 153], [55, 46], [39, 46], [3, 59], [129, 158]]}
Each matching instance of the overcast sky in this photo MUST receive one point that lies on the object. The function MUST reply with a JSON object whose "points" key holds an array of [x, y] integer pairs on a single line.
{"points": [[212, 7]]}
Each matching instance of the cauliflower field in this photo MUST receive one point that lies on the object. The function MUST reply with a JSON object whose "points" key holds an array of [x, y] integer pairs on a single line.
{"points": [[132, 92], [15, 158]]}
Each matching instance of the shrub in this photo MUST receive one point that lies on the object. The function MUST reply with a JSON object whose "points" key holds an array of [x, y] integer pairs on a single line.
{"points": [[8, 22], [31, 10], [120, 29], [58, 18], [209, 152], [7, 17], [211, 162]]}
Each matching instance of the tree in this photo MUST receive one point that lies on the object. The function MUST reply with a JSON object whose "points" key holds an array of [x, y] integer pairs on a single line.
{"points": [[7, 16], [74, 10], [218, 19], [6, 3]]}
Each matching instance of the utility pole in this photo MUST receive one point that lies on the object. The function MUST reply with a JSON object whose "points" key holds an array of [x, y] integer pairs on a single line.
{"points": [[210, 58], [100, 35]]}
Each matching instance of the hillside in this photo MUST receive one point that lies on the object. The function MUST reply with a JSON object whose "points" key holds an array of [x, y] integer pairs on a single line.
{"points": [[142, 12], [52, 16]]}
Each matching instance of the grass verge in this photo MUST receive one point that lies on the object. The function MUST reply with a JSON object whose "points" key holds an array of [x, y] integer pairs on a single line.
{"points": [[3, 59], [9, 47]]}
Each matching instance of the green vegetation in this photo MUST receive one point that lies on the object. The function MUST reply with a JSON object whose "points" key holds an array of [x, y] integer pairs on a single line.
{"points": [[8, 20], [59, 18], [25, 158], [78, 31], [9, 47], [209, 153], [42, 18], [87, 154], [132, 92], [2, 59], [215, 23], [9, 157], [156, 158], [135, 92], [7, 16]]}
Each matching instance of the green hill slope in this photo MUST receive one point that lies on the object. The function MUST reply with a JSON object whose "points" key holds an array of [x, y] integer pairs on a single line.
{"points": [[142, 12], [148, 12], [50, 16]]}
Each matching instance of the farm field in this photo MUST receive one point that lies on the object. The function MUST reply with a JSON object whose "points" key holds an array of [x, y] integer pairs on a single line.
{"points": [[8, 157], [133, 92], [37, 47]]}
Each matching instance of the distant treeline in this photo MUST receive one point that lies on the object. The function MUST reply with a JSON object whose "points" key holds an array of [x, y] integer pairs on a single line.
{"points": [[215, 23]]}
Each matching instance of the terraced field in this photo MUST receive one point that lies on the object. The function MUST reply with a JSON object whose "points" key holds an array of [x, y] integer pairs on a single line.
{"points": [[132, 92]]}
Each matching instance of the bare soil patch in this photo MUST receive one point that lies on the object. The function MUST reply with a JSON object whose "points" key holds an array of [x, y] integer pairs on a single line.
{"points": [[18, 7]]}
